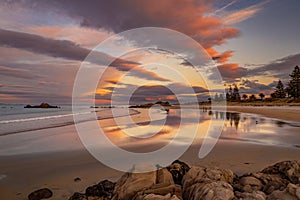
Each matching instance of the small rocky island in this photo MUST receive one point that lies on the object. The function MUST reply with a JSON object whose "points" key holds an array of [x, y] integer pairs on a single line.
{"points": [[179, 181], [42, 105], [148, 105]]}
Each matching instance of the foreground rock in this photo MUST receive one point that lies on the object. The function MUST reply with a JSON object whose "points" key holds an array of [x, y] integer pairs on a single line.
{"points": [[102, 191], [279, 181], [204, 183], [43, 193], [182, 182], [291, 192], [152, 185]]}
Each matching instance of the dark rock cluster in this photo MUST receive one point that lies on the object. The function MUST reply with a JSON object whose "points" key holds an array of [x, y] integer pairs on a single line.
{"points": [[182, 182], [102, 191]]}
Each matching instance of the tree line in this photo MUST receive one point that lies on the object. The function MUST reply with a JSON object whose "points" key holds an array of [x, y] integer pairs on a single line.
{"points": [[292, 90]]}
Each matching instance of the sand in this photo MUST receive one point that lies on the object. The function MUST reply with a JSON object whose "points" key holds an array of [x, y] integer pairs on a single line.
{"points": [[289, 113], [57, 165]]}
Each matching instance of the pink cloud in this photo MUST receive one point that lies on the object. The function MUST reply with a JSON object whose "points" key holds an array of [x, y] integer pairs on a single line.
{"points": [[85, 37], [241, 15]]}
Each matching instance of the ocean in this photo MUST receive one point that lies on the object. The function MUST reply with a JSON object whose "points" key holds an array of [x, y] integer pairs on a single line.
{"points": [[14, 118]]}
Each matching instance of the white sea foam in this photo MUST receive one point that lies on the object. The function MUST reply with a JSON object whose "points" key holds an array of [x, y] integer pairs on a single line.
{"points": [[40, 118]]}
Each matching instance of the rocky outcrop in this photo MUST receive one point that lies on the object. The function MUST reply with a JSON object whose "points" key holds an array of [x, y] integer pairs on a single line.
{"points": [[42, 105], [289, 170], [179, 181], [279, 181], [291, 192]]}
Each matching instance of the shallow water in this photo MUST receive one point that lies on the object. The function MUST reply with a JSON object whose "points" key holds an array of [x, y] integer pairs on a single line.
{"points": [[153, 128], [14, 118]]}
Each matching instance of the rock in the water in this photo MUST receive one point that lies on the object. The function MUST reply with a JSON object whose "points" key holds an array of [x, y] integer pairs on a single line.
{"points": [[287, 170], [43, 193], [102, 189], [178, 169], [42, 105]]}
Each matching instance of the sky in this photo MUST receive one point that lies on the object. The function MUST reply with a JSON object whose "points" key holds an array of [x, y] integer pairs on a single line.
{"points": [[43, 44]]}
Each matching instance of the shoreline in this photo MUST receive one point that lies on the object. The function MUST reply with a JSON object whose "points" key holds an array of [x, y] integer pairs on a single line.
{"points": [[277, 112], [134, 112], [286, 113]]}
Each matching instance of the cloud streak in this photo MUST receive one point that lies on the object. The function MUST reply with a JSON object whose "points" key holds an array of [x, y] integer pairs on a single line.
{"points": [[279, 68], [17, 73], [68, 50], [240, 15]]}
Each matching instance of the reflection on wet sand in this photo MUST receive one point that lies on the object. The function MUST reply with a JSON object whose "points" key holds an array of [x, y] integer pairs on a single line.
{"points": [[236, 127], [233, 118]]}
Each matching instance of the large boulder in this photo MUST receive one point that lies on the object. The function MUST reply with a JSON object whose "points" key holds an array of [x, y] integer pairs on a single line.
{"points": [[131, 183], [289, 170], [208, 183], [208, 190], [139, 186]]}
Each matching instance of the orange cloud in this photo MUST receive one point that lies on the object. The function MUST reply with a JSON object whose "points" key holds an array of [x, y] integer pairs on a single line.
{"points": [[223, 57], [241, 15]]}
